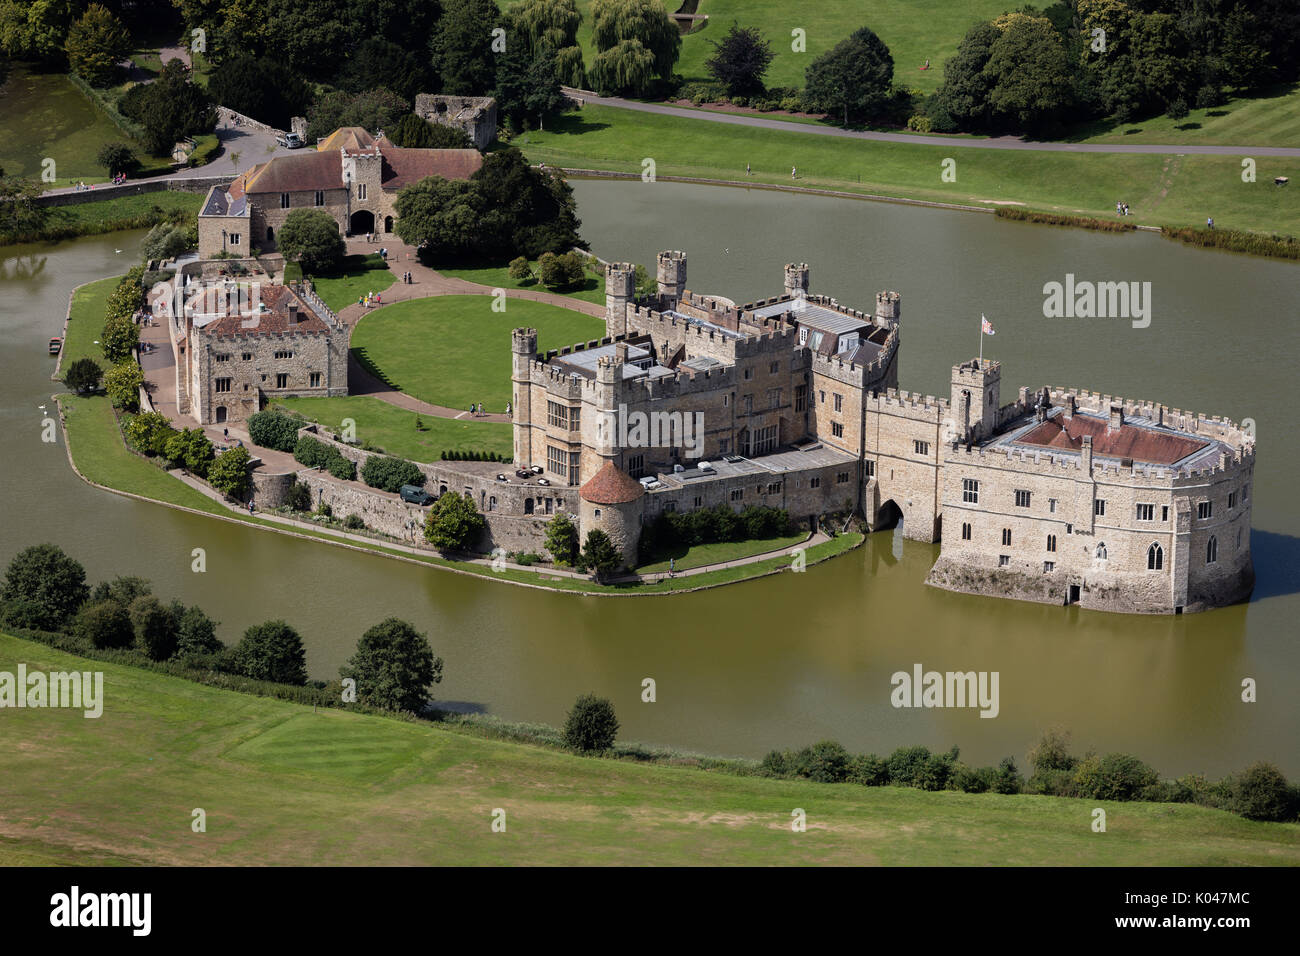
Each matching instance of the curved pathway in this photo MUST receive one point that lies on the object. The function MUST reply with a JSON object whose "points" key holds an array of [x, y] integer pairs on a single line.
{"points": [[426, 283], [993, 142]]}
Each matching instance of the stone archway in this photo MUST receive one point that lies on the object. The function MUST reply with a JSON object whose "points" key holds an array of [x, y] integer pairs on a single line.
{"points": [[388, 224], [888, 515], [362, 221]]}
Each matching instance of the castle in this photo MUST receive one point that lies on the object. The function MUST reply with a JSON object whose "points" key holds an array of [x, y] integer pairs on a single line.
{"points": [[1062, 496]]}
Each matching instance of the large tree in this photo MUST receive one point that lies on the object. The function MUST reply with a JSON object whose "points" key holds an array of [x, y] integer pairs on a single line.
{"points": [[83, 375], [264, 88], [311, 238], [380, 62], [35, 29], [462, 46], [19, 213], [272, 651], [1033, 84], [122, 383], [170, 108], [854, 78], [635, 42], [96, 43], [453, 522], [528, 87], [964, 93], [44, 577], [550, 25], [394, 667], [373, 110], [739, 60], [228, 472]]}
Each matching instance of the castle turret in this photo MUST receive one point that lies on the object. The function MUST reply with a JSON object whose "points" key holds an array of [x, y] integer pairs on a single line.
{"points": [[888, 308], [609, 371], [620, 288], [611, 501], [797, 277], [523, 349], [672, 278], [976, 396]]}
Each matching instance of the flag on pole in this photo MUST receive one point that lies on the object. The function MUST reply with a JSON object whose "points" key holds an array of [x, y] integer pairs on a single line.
{"points": [[986, 326]]}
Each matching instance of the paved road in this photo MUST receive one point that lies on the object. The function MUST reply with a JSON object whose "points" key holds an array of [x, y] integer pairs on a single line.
{"points": [[996, 142]]}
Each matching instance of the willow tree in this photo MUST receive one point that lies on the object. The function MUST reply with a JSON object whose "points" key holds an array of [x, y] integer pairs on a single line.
{"points": [[635, 41], [551, 25]]}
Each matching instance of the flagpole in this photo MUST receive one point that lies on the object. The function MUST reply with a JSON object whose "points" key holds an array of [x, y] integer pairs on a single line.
{"points": [[981, 341]]}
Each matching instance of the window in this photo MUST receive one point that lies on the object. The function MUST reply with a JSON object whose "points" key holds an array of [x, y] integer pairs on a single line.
{"points": [[1051, 542], [1022, 498], [773, 397], [1069, 529], [921, 447], [1051, 506], [557, 461], [283, 355], [737, 494], [970, 491], [1006, 537], [774, 367], [492, 502], [1099, 508], [575, 418], [699, 501], [1146, 512], [764, 439], [361, 190], [749, 373], [1232, 499], [724, 446], [1204, 509], [749, 404], [965, 531], [774, 488], [837, 430], [636, 465], [1238, 539], [841, 477], [222, 358], [815, 481], [234, 238], [284, 200], [1004, 560], [839, 402], [282, 380], [801, 398], [1212, 550], [1245, 492], [1049, 567], [726, 400], [247, 356], [222, 384], [314, 379], [574, 469], [670, 506], [557, 415], [1100, 553], [821, 396], [1155, 558], [320, 197], [870, 467], [1164, 512]]}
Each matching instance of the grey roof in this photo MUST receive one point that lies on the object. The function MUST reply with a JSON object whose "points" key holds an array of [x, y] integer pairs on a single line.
{"points": [[701, 363], [708, 326], [777, 463], [584, 362], [814, 316]]}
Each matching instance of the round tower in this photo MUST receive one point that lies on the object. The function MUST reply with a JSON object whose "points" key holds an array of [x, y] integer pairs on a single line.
{"points": [[523, 350], [611, 501], [796, 279], [672, 277], [620, 289]]}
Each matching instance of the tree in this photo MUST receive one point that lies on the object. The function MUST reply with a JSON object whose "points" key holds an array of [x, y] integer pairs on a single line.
{"points": [[462, 46], [116, 158], [591, 726], [272, 651], [104, 624], [1033, 85], [519, 269], [165, 241], [19, 213], [373, 110], [35, 29], [635, 41], [854, 78], [83, 376], [228, 473], [599, 554], [528, 88], [453, 522], [191, 449], [170, 108], [149, 432], [123, 383], [381, 62], [311, 237], [264, 88], [561, 272], [739, 60], [45, 576], [550, 25], [562, 539], [394, 667], [440, 216], [123, 589], [964, 93], [196, 633], [119, 338], [155, 627], [96, 43], [273, 429]]}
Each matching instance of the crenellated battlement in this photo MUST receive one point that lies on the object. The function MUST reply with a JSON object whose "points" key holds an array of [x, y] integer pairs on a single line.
{"points": [[1110, 471], [1219, 427]]}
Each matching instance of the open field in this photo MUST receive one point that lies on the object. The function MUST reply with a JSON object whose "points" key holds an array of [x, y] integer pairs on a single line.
{"points": [[454, 350], [1177, 190], [356, 276], [498, 277], [393, 429], [283, 785]]}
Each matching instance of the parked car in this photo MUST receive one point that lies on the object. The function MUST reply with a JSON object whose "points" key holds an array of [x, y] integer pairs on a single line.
{"points": [[523, 473], [416, 495], [289, 140]]}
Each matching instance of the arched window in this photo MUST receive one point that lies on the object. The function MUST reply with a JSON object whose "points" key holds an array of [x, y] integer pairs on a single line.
{"points": [[270, 234], [1155, 558], [1212, 550], [1101, 551]]}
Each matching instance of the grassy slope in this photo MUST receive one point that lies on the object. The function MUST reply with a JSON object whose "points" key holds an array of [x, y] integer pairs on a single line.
{"points": [[357, 276], [701, 554], [393, 429], [1160, 189], [276, 779], [498, 276], [1269, 120], [433, 348]]}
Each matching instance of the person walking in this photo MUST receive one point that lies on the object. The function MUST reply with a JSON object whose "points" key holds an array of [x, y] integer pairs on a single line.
{"points": [[1209, 223], [792, 172], [747, 172]]}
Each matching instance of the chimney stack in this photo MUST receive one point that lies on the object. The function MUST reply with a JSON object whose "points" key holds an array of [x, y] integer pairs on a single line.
{"points": [[1116, 418]]}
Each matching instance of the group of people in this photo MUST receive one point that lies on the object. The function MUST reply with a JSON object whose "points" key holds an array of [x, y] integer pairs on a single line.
{"points": [[1121, 208], [371, 299], [476, 408], [407, 278]]}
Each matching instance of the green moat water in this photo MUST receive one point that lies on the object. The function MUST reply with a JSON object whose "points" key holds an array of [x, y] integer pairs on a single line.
{"points": [[795, 658]]}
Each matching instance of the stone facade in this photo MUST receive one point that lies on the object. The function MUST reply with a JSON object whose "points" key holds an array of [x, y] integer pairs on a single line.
{"points": [[476, 116]]}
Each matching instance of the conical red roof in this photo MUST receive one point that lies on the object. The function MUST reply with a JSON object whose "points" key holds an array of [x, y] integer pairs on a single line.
{"points": [[611, 486]]}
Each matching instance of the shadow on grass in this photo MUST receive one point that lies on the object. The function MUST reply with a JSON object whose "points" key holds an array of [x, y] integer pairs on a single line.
{"points": [[368, 364]]}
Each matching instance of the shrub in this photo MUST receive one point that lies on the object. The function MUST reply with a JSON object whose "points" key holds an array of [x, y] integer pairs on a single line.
{"points": [[154, 626], [116, 158], [196, 633], [272, 651], [191, 449], [1052, 752], [272, 429], [1007, 778], [562, 539], [1115, 776], [123, 383], [165, 241], [104, 624], [389, 474], [868, 770], [228, 473], [1262, 793], [824, 762], [298, 497], [520, 269], [906, 763], [354, 523], [44, 575], [1177, 109], [936, 772], [973, 779], [394, 667], [453, 523], [919, 123], [123, 589], [591, 725], [345, 469], [310, 452], [149, 432], [83, 376]]}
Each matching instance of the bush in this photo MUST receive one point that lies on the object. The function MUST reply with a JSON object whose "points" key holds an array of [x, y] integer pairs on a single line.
{"points": [[389, 474], [824, 762], [919, 123], [591, 725], [123, 383], [154, 626], [936, 772], [1115, 776], [561, 272], [228, 473], [562, 539], [1007, 778], [272, 651], [44, 575], [973, 779], [149, 432], [453, 523], [116, 158], [906, 763], [104, 624], [123, 589], [298, 497], [1262, 793], [868, 770], [191, 449], [83, 375], [165, 241], [1177, 109], [520, 269], [196, 633], [272, 429], [1052, 752], [345, 469], [354, 523]]}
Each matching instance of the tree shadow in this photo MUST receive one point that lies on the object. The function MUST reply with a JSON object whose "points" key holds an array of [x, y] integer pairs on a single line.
{"points": [[1277, 563], [569, 124], [1187, 126]]}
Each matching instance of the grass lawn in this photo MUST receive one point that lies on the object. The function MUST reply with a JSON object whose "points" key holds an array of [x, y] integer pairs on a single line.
{"points": [[498, 276], [120, 212], [1272, 119], [693, 557], [1178, 190], [277, 781], [357, 276], [453, 350], [86, 322], [393, 429]]}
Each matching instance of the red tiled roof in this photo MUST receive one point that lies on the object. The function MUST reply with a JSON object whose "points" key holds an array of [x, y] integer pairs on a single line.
{"points": [[1128, 441], [346, 137], [611, 486], [402, 167], [277, 299], [300, 171]]}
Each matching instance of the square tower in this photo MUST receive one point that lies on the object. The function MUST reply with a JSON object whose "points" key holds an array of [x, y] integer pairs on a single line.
{"points": [[976, 397]]}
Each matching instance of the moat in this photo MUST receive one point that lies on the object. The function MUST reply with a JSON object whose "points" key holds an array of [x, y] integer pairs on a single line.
{"points": [[795, 658]]}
